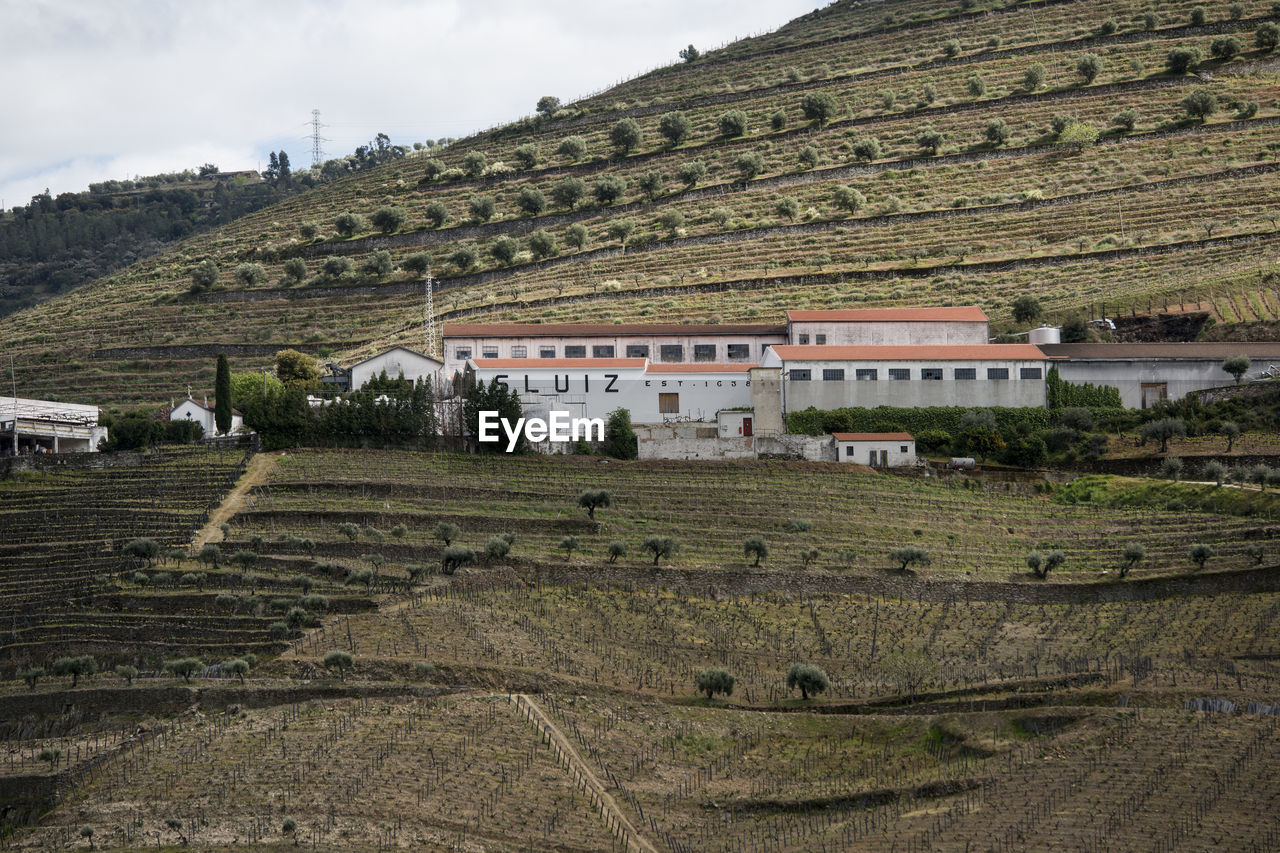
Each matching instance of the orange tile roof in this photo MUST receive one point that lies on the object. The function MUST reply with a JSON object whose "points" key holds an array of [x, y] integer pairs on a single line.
{"points": [[605, 330], [872, 436], [973, 352], [530, 363], [952, 314], [700, 368]]}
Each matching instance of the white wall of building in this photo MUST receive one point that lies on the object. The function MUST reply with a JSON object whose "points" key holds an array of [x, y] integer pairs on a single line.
{"points": [[889, 452], [397, 362], [595, 390], [898, 333], [191, 410], [1016, 391], [746, 347], [1171, 378]]}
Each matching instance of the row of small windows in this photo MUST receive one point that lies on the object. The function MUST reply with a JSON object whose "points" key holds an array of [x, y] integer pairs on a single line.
{"points": [[837, 374], [818, 340], [666, 352]]}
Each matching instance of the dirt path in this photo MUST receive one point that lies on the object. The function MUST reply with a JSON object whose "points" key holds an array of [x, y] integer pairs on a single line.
{"points": [[255, 474], [540, 721]]}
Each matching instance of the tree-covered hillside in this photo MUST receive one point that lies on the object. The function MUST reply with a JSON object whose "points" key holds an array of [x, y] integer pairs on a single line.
{"points": [[1103, 157]]}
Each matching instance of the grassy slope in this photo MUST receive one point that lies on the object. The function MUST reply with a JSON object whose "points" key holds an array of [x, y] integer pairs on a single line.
{"points": [[1173, 214]]}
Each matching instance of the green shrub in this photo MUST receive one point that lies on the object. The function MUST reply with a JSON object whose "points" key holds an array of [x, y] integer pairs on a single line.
{"points": [[715, 680], [808, 678]]}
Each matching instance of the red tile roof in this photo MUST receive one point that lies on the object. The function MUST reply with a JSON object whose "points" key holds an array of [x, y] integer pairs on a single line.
{"points": [[700, 368], [605, 330], [953, 314], [872, 436], [557, 363], [973, 352]]}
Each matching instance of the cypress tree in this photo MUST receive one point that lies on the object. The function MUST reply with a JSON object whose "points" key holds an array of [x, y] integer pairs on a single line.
{"points": [[222, 396]]}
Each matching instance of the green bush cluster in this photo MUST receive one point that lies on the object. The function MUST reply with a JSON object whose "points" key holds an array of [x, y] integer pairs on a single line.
{"points": [[812, 421]]}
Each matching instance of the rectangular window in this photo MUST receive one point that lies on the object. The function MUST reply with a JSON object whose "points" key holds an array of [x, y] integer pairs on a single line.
{"points": [[602, 352], [966, 373], [804, 340], [833, 374], [866, 374], [519, 352], [899, 373], [637, 351], [997, 373], [668, 404], [738, 352], [902, 448], [1029, 373], [820, 340], [803, 375], [704, 352], [546, 352], [575, 352], [671, 352], [462, 353], [931, 373], [489, 351], [848, 450]]}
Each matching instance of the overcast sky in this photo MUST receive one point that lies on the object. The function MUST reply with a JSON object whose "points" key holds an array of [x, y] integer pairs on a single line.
{"points": [[98, 89]]}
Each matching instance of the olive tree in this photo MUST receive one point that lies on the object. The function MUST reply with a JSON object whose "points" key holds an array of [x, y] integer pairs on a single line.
{"points": [[339, 660], [617, 549], [1231, 430], [1237, 366], [818, 107], [732, 124], [572, 147], [1134, 553], [754, 546], [691, 172], [456, 557], [810, 679], [388, 219], [531, 201], [909, 554], [568, 192], [1201, 553], [446, 532], [661, 547], [185, 667], [626, 135], [674, 126], [1199, 104], [1162, 430], [1180, 60], [204, 276], [1089, 66], [593, 499], [715, 680], [866, 149], [236, 666]]}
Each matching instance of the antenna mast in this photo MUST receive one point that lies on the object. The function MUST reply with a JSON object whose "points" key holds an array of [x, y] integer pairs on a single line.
{"points": [[429, 312]]}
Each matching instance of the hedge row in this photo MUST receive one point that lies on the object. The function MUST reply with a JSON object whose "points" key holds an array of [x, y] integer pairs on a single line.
{"points": [[1009, 421]]}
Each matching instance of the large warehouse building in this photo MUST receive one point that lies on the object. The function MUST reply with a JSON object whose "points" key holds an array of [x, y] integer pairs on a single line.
{"points": [[735, 375]]}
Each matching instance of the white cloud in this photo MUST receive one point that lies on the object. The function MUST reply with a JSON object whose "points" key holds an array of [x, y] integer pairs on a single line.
{"points": [[113, 88]]}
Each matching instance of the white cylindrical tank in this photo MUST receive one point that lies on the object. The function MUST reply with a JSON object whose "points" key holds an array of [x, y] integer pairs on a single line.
{"points": [[1045, 335]]}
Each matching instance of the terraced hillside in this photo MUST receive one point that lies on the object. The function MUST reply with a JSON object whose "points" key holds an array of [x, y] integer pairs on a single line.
{"points": [[905, 152], [546, 699]]}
